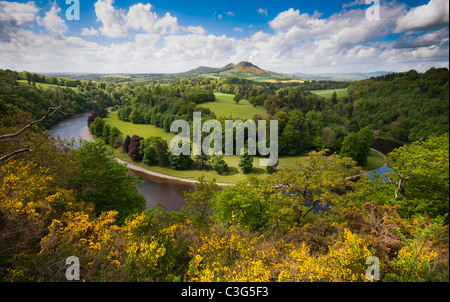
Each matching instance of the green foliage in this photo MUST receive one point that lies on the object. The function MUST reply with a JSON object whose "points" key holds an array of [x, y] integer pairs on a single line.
{"points": [[113, 134], [199, 201], [180, 162], [101, 180], [126, 144], [199, 96], [218, 164], [97, 127], [155, 151], [243, 206], [409, 106], [246, 163], [106, 132], [421, 174], [357, 145]]}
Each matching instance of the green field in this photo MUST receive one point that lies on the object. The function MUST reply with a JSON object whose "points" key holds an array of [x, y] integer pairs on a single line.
{"points": [[374, 161], [224, 106], [329, 92], [145, 131], [131, 129], [44, 85]]}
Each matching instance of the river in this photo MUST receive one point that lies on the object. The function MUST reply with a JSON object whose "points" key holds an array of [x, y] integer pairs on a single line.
{"points": [[167, 192], [155, 189]]}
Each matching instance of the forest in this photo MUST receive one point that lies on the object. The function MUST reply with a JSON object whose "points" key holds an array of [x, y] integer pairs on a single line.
{"points": [[310, 221]]}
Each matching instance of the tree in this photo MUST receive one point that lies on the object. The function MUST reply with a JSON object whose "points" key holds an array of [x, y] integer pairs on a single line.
{"points": [[421, 177], [314, 180], [126, 144], [237, 98], [334, 98], [113, 134], [199, 200], [350, 146], [155, 151], [92, 117], [273, 169], [365, 137], [218, 164], [97, 127], [290, 140], [242, 205], [101, 180], [133, 149], [202, 161], [246, 163], [105, 134], [180, 162], [357, 145]]}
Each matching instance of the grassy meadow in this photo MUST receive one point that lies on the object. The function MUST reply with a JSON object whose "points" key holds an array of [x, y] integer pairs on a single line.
{"points": [[329, 92], [45, 85], [226, 107]]}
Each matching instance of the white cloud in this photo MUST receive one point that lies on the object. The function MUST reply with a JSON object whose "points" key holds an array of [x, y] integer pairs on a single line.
{"points": [[438, 37], [14, 15], [195, 30], [342, 42], [354, 3], [262, 11], [288, 19], [141, 17], [433, 15], [113, 24], [53, 23], [168, 24], [238, 29], [89, 32]]}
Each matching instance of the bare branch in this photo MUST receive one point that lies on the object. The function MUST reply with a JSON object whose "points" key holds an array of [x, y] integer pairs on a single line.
{"points": [[12, 154], [50, 112]]}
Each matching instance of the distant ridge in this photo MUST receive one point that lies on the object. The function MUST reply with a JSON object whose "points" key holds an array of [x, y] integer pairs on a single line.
{"points": [[242, 67], [355, 76]]}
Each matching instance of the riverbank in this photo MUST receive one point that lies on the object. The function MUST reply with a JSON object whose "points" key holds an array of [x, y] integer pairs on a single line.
{"points": [[85, 134], [157, 176]]}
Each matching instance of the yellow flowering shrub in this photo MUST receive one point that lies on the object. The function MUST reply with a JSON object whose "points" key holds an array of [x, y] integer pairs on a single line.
{"points": [[345, 261], [227, 257], [412, 263]]}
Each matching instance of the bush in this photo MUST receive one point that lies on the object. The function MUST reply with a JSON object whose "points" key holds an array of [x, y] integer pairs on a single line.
{"points": [[246, 163], [133, 149], [218, 164]]}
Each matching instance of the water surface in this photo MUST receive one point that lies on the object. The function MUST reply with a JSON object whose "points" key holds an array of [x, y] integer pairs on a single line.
{"points": [[155, 189]]}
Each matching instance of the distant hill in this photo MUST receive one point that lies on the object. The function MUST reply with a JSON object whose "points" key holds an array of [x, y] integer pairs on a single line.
{"points": [[242, 70], [355, 76]]}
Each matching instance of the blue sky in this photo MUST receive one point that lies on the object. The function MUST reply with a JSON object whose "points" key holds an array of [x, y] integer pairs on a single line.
{"points": [[122, 36]]}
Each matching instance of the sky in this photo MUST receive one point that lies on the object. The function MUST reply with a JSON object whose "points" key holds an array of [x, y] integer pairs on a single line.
{"points": [[165, 36]]}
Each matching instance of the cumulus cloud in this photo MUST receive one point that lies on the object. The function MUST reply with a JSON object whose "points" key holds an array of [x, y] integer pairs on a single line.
{"points": [[14, 15], [343, 42], [53, 23], [89, 32], [433, 15], [438, 37], [288, 19], [113, 21]]}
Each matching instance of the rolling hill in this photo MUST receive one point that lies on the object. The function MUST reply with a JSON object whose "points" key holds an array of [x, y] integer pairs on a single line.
{"points": [[244, 69]]}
